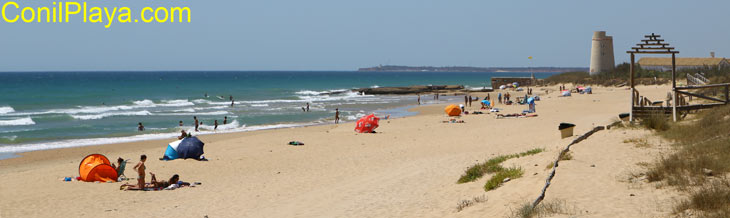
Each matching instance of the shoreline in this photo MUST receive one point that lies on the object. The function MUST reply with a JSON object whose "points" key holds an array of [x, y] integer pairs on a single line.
{"points": [[170, 136]]}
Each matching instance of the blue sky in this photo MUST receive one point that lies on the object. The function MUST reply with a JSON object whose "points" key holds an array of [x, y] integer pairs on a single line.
{"points": [[345, 35]]}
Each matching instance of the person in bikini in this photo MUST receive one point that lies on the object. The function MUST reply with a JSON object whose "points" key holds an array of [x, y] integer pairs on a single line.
{"points": [[140, 168]]}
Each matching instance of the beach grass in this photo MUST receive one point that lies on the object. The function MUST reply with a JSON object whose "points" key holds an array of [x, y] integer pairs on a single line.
{"points": [[700, 162], [544, 209], [498, 178], [492, 166]]}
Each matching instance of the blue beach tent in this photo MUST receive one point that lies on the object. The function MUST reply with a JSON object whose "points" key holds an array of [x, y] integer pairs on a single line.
{"points": [[186, 148]]}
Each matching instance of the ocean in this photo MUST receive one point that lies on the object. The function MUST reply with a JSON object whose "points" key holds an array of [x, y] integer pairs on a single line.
{"points": [[65, 109]]}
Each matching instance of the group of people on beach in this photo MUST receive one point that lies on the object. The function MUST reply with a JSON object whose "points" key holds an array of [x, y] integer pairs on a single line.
{"points": [[154, 182], [140, 127], [198, 123]]}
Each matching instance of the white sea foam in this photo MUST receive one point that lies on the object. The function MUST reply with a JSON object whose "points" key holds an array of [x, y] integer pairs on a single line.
{"points": [[110, 114], [11, 138], [100, 141], [190, 110], [259, 105], [195, 113], [17, 122], [310, 92], [6, 109], [375, 86], [175, 103]]}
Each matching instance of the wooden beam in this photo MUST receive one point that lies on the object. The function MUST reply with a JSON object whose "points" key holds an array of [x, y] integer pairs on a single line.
{"points": [[674, 85], [653, 44], [631, 74], [652, 35], [653, 52], [651, 48], [652, 40], [703, 86], [700, 96]]}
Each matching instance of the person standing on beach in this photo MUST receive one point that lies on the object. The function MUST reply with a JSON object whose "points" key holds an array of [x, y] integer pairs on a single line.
{"points": [[470, 100], [140, 168], [419, 99], [225, 120], [466, 100], [196, 123], [499, 97], [337, 115], [215, 125], [140, 127]]}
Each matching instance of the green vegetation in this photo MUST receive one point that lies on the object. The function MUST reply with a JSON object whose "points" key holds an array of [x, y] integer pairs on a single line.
{"points": [[492, 166], [543, 209], [620, 75], [658, 122], [703, 153], [567, 156], [497, 179]]}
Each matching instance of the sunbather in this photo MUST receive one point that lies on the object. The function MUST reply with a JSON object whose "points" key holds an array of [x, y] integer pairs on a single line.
{"points": [[162, 184]]}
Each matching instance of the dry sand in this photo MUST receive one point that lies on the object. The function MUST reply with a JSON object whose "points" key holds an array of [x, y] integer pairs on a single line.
{"points": [[408, 169]]}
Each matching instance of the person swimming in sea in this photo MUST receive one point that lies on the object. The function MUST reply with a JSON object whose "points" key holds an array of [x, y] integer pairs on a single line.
{"points": [[215, 124], [140, 127], [181, 123], [225, 120]]}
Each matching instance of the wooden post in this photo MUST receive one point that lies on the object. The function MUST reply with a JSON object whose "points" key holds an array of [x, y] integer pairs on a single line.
{"points": [[727, 98], [631, 82], [674, 87]]}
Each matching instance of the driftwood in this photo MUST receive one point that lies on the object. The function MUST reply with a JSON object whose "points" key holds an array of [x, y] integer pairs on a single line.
{"points": [[555, 164]]}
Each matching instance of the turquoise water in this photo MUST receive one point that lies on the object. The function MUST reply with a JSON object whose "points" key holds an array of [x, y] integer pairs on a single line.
{"points": [[66, 109]]}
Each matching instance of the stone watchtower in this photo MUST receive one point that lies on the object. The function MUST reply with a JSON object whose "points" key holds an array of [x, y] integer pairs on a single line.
{"points": [[601, 53]]}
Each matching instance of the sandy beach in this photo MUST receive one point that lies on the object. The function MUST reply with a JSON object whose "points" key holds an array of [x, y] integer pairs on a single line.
{"points": [[408, 169]]}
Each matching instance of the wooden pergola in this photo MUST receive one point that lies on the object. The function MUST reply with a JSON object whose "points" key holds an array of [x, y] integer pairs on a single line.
{"points": [[642, 106]]}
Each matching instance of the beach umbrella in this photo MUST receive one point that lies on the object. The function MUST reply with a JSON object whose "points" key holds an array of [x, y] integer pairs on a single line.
{"points": [[486, 102], [502, 87], [367, 124], [190, 147], [171, 152], [515, 84], [453, 110]]}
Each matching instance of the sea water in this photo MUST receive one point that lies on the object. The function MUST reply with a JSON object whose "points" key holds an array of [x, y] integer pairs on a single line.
{"points": [[40, 110]]}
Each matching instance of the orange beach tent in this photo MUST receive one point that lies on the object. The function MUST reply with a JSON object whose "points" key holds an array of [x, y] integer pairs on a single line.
{"points": [[96, 167], [453, 110]]}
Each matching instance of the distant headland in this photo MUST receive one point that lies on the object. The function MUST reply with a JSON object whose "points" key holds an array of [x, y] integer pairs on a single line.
{"points": [[395, 68]]}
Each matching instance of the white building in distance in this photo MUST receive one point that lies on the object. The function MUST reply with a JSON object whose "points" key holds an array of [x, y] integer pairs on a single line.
{"points": [[601, 53]]}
